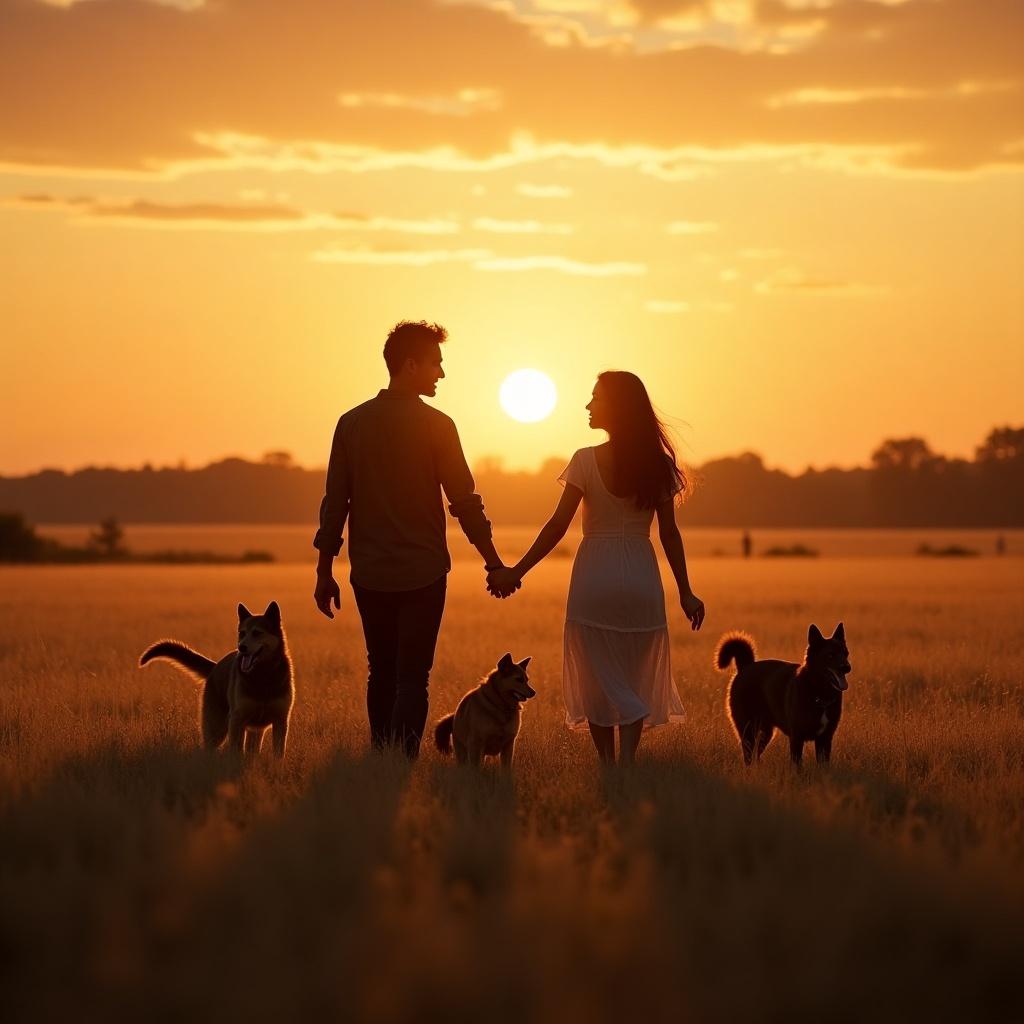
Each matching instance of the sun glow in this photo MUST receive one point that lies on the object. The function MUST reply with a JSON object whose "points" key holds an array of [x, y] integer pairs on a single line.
{"points": [[528, 395]]}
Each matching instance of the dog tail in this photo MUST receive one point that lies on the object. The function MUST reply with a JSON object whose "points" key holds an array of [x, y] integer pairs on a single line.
{"points": [[191, 661], [443, 734], [738, 647]]}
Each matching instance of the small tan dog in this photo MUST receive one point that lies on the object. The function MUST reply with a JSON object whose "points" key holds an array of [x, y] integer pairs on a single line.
{"points": [[487, 719], [247, 690]]}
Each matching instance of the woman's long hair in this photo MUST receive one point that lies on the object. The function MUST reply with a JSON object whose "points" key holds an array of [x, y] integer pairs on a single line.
{"points": [[642, 453]]}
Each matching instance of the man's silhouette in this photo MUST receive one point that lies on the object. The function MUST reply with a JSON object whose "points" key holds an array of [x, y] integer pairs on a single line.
{"points": [[390, 459]]}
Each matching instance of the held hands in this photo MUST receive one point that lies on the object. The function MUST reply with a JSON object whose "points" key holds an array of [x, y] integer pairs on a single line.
{"points": [[327, 593], [503, 582], [693, 609]]}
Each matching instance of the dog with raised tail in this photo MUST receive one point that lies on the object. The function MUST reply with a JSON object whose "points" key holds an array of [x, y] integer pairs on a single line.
{"points": [[488, 718], [804, 701], [247, 691]]}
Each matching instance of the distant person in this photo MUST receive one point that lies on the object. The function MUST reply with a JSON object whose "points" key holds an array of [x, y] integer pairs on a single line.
{"points": [[1000, 545], [747, 543], [390, 459], [617, 670]]}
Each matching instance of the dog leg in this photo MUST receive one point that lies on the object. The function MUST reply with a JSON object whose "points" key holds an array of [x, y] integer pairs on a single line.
{"points": [[280, 736], [475, 754], [823, 749], [461, 753], [796, 751], [747, 742], [236, 732], [506, 755], [253, 741], [765, 733], [214, 719]]}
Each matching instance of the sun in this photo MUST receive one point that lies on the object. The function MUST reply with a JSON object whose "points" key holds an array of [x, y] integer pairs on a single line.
{"points": [[528, 395]]}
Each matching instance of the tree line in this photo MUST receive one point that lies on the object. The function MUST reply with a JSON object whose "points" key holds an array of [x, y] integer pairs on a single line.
{"points": [[906, 484]]}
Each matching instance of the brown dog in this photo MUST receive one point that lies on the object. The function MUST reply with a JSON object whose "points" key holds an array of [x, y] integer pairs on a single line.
{"points": [[247, 690], [805, 701], [487, 719]]}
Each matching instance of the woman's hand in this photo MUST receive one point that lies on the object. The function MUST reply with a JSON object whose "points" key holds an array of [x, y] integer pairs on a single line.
{"points": [[503, 582], [693, 609]]}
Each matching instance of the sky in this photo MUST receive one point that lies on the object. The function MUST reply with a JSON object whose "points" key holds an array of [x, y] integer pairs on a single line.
{"points": [[801, 222]]}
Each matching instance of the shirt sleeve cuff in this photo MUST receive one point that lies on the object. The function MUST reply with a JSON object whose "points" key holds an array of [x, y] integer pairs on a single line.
{"points": [[321, 543]]}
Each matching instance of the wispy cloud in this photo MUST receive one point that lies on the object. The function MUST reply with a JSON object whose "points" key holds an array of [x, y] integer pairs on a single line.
{"points": [[239, 216], [562, 266], [431, 226], [479, 259], [520, 227], [794, 281], [458, 104], [399, 257], [147, 213]]}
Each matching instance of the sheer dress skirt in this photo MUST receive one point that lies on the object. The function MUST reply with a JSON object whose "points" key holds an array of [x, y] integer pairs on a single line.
{"points": [[617, 663]]}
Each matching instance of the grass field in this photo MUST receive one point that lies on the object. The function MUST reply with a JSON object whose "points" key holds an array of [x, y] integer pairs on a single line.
{"points": [[140, 875]]}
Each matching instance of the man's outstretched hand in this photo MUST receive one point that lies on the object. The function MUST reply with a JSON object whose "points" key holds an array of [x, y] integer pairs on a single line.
{"points": [[327, 592], [503, 582]]}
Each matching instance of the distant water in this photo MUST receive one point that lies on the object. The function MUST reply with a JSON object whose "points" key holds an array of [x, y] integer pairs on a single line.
{"points": [[294, 543]]}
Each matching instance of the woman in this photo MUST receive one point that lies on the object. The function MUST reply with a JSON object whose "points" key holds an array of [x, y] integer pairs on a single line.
{"points": [[616, 669]]}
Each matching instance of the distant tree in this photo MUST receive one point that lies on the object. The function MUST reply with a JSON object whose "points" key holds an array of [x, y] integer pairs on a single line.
{"points": [[903, 454], [108, 538], [489, 465], [283, 460], [1000, 463], [1002, 445], [18, 541]]}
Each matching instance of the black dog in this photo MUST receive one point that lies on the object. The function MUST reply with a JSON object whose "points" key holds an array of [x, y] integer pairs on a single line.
{"points": [[805, 701]]}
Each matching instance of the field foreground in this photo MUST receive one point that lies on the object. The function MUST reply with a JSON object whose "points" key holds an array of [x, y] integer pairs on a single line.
{"points": [[140, 875]]}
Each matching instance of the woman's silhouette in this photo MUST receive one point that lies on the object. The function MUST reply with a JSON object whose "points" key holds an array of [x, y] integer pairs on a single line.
{"points": [[616, 669]]}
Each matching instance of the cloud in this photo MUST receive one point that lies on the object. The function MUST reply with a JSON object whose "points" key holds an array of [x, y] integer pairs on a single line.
{"points": [[480, 259], [924, 85], [794, 281], [562, 266], [460, 104], [433, 226], [520, 227], [399, 257], [257, 216]]}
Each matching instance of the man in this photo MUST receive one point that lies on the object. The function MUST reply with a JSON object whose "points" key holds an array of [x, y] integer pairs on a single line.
{"points": [[390, 459]]}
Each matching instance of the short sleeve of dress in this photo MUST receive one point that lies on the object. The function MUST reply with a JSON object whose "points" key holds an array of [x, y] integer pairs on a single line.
{"points": [[575, 473]]}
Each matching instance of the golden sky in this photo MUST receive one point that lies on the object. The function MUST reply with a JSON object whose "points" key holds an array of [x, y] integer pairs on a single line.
{"points": [[800, 221]]}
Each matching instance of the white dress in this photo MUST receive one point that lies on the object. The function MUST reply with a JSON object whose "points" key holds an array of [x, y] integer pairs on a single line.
{"points": [[617, 667]]}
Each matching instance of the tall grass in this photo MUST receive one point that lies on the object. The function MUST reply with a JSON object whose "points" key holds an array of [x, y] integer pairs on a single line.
{"points": [[142, 875]]}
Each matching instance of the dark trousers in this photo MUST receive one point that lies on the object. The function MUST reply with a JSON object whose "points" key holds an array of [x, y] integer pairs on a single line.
{"points": [[401, 629]]}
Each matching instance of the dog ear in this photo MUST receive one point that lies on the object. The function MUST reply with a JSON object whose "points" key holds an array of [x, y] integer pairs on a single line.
{"points": [[839, 634], [525, 662], [814, 635], [505, 663], [273, 613], [243, 614]]}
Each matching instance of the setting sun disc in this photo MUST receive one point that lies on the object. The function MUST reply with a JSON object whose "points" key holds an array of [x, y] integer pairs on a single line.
{"points": [[528, 395]]}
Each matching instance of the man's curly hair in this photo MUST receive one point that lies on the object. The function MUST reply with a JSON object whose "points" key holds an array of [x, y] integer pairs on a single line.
{"points": [[411, 339]]}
